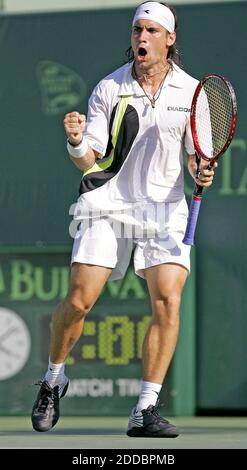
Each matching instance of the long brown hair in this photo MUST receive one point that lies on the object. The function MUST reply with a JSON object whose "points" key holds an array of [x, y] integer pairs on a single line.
{"points": [[173, 52]]}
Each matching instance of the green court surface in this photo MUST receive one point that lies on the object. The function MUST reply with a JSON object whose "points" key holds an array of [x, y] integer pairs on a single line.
{"points": [[109, 433]]}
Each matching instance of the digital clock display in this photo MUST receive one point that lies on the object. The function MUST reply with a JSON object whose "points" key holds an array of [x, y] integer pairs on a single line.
{"points": [[114, 340]]}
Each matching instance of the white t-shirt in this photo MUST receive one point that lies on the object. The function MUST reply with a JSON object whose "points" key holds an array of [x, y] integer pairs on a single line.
{"points": [[153, 168]]}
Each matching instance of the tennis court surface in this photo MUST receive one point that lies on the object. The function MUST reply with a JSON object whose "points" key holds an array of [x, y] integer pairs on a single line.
{"points": [[109, 433]]}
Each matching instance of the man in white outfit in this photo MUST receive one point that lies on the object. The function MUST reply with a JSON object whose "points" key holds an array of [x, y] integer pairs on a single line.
{"points": [[130, 150]]}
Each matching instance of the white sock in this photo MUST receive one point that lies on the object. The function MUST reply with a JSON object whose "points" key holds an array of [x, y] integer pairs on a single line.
{"points": [[55, 374], [148, 396]]}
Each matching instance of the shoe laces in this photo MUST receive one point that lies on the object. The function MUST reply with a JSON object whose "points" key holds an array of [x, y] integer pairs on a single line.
{"points": [[47, 396], [153, 410]]}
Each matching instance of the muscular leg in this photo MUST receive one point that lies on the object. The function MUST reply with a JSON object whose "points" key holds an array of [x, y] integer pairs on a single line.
{"points": [[67, 325], [165, 284], [86, 284]]}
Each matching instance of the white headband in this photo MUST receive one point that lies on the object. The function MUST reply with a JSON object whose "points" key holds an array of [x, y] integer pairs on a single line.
{"points": [[154, 11]]}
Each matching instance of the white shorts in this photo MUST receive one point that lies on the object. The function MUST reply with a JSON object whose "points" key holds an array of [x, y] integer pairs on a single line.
{"points": [[106, 242]]}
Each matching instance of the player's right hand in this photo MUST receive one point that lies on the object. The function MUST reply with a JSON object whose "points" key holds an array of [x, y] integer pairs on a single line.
{"points": [[74, 125]]}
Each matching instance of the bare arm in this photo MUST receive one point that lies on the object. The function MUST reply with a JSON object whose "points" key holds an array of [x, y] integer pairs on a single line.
{"points": [[205, 177], [74, 125], [86, 162]]}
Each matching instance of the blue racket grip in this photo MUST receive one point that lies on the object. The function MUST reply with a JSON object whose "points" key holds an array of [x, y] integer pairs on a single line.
{"points": [[192, 220]]}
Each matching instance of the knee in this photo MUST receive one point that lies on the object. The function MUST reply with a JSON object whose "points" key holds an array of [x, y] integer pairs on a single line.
{"points": [[171, 302], [77, 307], [166, 310]]}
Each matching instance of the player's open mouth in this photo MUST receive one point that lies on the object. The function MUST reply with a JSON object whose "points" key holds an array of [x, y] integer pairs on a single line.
{"points": [[142, 52]]}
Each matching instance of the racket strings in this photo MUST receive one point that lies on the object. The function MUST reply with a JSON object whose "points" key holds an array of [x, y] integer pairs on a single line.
{"points": [[213, 116]]}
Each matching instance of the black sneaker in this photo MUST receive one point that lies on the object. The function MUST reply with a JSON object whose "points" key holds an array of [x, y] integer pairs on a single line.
{"points": [[148, 423], [45, 413]]}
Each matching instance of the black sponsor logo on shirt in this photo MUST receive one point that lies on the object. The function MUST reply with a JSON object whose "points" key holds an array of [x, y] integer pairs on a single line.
{"points": [[178, 108]]}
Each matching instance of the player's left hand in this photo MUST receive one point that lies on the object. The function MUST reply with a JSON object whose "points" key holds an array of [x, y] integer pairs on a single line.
{"points": [[204, 177]]}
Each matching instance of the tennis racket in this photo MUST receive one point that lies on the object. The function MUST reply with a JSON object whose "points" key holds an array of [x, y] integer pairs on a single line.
{"points": [[213, 122]]}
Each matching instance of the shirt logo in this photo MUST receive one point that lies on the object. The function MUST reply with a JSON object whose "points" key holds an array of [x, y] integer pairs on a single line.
{"points": [[147, 11], [180, 108]]}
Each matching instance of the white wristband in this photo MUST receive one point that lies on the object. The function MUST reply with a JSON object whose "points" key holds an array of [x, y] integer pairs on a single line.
{"points": [[79, 151]]}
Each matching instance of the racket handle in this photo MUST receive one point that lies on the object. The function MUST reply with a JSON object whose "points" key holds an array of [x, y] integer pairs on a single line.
{"points": [[192, 220]]}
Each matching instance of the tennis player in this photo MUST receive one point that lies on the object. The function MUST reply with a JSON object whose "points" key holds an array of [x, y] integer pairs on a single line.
{"points": [[130, 149]]}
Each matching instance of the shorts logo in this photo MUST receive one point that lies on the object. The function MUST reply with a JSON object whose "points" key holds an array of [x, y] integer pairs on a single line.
{"points": [[176, 108]]}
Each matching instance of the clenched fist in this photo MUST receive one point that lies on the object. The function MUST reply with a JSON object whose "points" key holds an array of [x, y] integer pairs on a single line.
{"points": [[74, 125]]}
